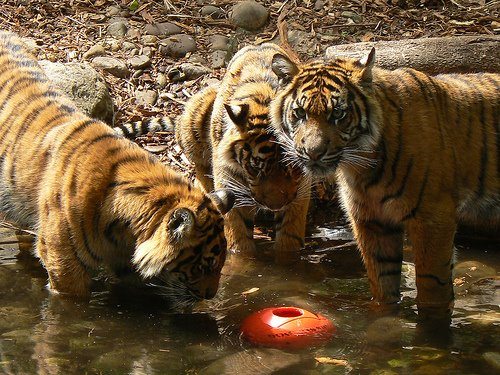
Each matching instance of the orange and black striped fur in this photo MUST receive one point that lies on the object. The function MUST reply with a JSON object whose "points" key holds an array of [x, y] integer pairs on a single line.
{"points": [[96, 199], [411, 153], [225, 133]]}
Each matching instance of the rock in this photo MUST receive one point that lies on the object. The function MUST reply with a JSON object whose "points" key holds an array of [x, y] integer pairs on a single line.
{"points": [[219, 42], [115, 45], [111, 65], [162, 29], [319, 5], [212, 11], [134, 33], [95, 50], [146, 97], [352, 15], [302, 42], [113, 10], [384, 331], [177, 45], [187, 72], [139, 62], [82, 83], [118, 29], [465, 274], [149, 40], [147, 51], [218, 59], [249, 15], [128, 46], [161, 80]]}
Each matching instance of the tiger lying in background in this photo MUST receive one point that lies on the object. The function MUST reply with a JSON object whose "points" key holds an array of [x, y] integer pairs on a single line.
{"points": [[225, 133], [96, 199], [411, 153]]}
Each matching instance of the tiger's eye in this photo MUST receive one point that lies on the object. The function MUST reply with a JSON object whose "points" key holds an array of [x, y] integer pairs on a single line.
{"points": [[299, 113], [337, 114]]}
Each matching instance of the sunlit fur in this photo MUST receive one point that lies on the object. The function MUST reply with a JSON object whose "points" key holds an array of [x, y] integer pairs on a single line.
{"points": [[411, 153], [94, 198], [224, 131]]}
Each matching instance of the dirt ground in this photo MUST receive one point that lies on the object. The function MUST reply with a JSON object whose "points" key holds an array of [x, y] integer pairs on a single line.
{"points": [[65, 30]]}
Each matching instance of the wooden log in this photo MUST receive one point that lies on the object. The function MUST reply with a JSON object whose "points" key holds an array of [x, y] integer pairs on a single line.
{"points": [[456, 54]]}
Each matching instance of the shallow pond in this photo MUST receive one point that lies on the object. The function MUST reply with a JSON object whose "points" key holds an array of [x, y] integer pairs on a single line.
{"points": [[127, 331]]}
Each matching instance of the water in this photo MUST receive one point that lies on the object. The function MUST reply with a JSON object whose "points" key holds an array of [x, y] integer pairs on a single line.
{"points": [[127, 331]]}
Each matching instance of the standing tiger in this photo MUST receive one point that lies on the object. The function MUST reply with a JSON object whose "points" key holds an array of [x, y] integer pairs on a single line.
{"points": [[411, 153], [97, 199], [225, 133]]}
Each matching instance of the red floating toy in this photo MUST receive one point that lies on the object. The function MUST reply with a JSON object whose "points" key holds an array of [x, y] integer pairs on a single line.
{"points": [[287, 328]]}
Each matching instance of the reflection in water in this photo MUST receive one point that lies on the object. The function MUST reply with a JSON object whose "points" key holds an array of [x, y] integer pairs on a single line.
{"points": [[128, 330]]}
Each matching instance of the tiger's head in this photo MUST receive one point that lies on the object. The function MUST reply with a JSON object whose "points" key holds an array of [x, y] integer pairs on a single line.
{"points": [[182, 248], [253, 154], [324, 117]]}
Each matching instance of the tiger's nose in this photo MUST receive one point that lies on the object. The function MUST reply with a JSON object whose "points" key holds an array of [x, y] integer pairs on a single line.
{"points": [[315, 153]]}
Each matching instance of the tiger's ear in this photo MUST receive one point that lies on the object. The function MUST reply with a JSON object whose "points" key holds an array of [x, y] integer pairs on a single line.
{"points": [[367, 62], [223, 199], [238, 113], [283, 67], [181, 222]]}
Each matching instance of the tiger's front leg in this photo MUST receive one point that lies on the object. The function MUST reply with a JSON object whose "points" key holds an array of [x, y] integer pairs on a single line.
{"points": [[290, 230], [238, 228], [432, 243], [381, 247], [67, 274]]}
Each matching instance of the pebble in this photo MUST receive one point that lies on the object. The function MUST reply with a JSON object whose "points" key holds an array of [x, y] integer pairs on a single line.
{"points": [[139, 62], [187, 72], [177, 45], [148, 51], [95, 50], [162, 80], [212, 11], [146, 97], [218, 59], [249, 15], [118, 29], [113, 10], [219, 42], [352, 15], [319, 5], [128, 46], [149, 40], [162, 29], [111, 65]]}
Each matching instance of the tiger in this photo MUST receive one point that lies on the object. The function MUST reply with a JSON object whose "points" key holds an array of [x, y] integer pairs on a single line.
{"points": [[97, 200], [224, 132], [411, 153]]}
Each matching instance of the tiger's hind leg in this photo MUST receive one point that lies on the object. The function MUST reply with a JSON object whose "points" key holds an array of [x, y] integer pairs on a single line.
{"points": [[381, 247], [290, 231], [434, 257]]}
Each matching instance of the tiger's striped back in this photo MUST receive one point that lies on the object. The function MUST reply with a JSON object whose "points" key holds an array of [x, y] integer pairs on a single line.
{"points": [[411, 153], [96, 199]]}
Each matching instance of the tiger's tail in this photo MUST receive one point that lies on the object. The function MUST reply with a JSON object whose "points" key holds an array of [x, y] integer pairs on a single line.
{"points": [[135, 129]]}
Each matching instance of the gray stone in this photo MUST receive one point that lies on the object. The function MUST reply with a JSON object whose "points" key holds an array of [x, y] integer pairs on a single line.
{"points": [[117, 29], [162, 80], [187, 72], [147, 51], [212, 11], [113, 10], [95, 50], [115, 45], [352, 15], [162, 29], [302, 42], [134, 33], [319, 4], [249, 15], [146, 97], [177, 45], [111, 65], [219, 42], [128, 46], [218, 59], [149, 40], [139, 62], [82, 83]]}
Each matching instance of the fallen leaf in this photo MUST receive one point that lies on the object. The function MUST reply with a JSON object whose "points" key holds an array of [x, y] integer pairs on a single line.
{"points": [[332, 361], [250, 291]]}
